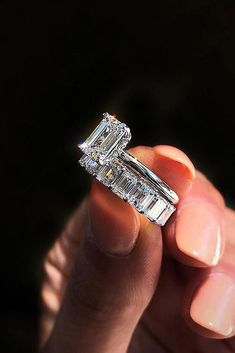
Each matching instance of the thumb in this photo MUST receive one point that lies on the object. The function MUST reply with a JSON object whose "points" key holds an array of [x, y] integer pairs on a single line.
{"points": [[113, 279]]}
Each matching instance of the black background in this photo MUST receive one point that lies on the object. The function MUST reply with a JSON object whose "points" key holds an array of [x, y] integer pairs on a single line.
{"points": [[168, 71]]}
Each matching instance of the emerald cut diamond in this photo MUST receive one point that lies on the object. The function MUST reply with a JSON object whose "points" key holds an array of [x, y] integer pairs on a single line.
{"points": [[110, 136]]}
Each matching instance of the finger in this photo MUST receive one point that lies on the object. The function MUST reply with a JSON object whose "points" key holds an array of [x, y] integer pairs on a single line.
{"points": [[108, 292], [113, 278], [170, 164], [195, 236], [209, 300], [57, 268]]}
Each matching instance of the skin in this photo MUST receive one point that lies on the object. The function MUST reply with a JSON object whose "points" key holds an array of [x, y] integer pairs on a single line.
{"points": [[115, 282]]}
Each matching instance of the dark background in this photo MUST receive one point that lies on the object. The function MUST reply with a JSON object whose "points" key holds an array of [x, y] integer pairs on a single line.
{"points": [[168, 71]]}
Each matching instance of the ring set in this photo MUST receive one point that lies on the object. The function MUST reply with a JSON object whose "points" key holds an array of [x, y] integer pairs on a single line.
{"points": [[105, 158]]}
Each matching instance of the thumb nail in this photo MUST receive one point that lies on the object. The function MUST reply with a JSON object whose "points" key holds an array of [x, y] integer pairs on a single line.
{"points": [[114, 224]]}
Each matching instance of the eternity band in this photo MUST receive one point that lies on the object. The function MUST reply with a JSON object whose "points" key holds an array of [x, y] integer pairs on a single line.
{"points": [[105, 158]]}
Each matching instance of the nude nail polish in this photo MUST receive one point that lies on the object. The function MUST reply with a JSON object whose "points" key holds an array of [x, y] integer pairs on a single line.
{"points": [[213, 305], [198, 232]]}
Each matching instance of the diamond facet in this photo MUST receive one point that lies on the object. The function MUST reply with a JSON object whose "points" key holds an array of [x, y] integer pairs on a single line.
{"points": [[109, 143], [95, 135]]}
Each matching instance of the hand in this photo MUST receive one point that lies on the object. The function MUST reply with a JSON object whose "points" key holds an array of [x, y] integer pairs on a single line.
{"points": [[104, 292]]}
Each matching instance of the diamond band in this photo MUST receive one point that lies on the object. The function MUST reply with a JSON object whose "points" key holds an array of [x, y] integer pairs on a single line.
{"points": [[127, 177]]}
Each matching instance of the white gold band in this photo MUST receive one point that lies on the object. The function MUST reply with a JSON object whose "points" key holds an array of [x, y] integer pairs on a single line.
{"points": [[104, 157]]}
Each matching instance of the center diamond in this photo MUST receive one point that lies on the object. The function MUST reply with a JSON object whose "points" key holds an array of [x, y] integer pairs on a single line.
{"points": [[109, 136]]}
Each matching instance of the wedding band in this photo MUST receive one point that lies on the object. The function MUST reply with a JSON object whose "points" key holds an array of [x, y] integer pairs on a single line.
{"points": [[105, 158]]}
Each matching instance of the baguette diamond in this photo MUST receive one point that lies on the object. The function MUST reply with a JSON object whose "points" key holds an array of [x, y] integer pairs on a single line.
{"points": [[146, 201], [166, 213], [123, 185], [156, 209]]}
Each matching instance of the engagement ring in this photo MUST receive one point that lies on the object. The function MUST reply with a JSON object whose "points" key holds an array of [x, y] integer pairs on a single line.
{"points": [[105, 158]]}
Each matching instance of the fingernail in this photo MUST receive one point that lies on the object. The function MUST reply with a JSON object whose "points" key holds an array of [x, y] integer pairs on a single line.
{"points": [[177, 155], [213, 306], [198, 232], [173, 165], [114, 225]]}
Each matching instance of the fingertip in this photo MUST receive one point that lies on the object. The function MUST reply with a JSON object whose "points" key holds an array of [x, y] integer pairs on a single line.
{"points": [[170, 164], [211, 306], [178, 155], [198, 233]]}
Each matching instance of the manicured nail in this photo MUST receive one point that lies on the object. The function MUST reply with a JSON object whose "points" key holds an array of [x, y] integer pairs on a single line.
{"points": [[213, 306], [198, 232]]}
